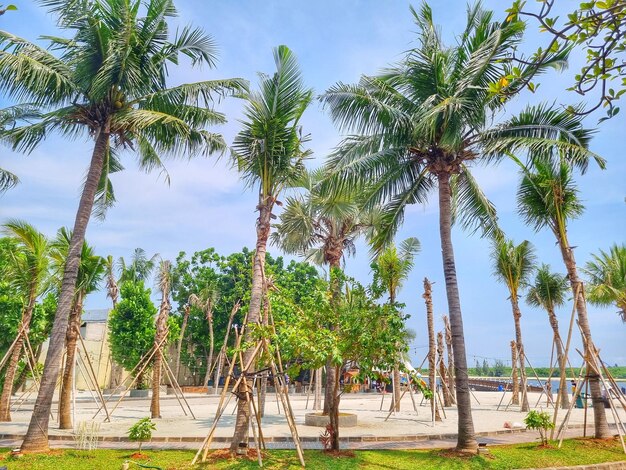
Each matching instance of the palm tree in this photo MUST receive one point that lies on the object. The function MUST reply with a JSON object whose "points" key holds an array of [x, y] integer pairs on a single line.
{"points": [[205, 301], [107, 80], [513, 265], [140, 267], [90, 273], [29, 269], [160, 337], [8, 118], [607, 278], [323, 227], [419, 126], [268, 153], [548, 292], [548, 197], [391, 268]]}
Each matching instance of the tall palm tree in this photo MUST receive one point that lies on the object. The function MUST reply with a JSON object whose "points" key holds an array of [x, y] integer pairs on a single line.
{"points": [[107, 80], [513, 265], [269, 155], [323, 227], [391, 268], [419, 126], [548, 291], [607, 278], [548, 198], [160, 337], [90, 273], [29, 268]]}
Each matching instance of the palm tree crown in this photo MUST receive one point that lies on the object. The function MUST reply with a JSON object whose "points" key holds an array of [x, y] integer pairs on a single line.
{"points": [[548, 289], [513, 264], [607, 278]]}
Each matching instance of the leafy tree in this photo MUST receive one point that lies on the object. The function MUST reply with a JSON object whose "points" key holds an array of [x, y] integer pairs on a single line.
{"points": [[541, 421], [132, 328], [420, 125], [141, 431], [366, 335], [549, 291], [498, 368], [107, 80], [548, 198], [27, 270], [513, 265], [90, 273], [269, 155], [607, 278], [595, 27]]}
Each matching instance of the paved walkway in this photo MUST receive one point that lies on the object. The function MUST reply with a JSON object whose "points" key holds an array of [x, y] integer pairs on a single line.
{"points": [[406, 429]]}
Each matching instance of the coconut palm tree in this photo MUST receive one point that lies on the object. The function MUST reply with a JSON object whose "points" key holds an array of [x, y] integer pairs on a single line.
{"points": [[513, 265], [548, 198], [548, 291], [90, 273], [29, 269], [607, 278], [323, 227], [106, 79], [8, 117], [391, 268], [140, 267], [160, 337], [205, 301], [418, 127], [269, 155]]}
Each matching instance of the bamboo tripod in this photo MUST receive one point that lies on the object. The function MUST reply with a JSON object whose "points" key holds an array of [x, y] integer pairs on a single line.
{"points": [[261, 351], [145, 361]]}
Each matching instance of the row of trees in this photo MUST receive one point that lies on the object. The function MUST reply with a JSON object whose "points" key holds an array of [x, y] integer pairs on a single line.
{"points": [[415, 129]]}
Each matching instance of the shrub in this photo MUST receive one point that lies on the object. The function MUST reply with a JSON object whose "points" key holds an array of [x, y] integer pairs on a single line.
{"points": [[541, 421], [141, 431]]}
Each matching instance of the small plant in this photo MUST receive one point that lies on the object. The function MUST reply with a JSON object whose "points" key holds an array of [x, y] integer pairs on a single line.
{"points": [[141, 431], [87, 435], [326, 438], [541, 421]]}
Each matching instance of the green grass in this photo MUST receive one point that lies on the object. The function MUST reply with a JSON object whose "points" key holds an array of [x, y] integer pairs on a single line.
{"points": [[573, 452]]}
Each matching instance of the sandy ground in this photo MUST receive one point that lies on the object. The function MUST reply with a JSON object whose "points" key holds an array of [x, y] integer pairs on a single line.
{"points": [[372, 421]]}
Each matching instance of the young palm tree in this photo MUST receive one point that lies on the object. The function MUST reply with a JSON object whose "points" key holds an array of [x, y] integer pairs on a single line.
{"points": [[28, 271], [140, 267], [107, 80], [548, 292], [323, 227], [513, 265], [607, 278], [268, 153], [420, 125], [90, 273], [206, 301], [160, 337], [547, 197], [391, 268]]}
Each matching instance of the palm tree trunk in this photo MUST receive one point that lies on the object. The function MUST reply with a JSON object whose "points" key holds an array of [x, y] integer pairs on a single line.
{"points": [[254, 312], [561, 359], [333, 414], [431, 348], [209, 359], [329, 390], [599, 413], [16, 354], [183, 327], [396, 388], [71, 339], [517, 315], [466, 440], [159, 342], [447, 401], [448, 337], [514, 376], [36, 439]]}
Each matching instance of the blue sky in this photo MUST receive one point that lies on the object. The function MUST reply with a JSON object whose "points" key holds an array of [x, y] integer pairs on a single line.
{"points": [[207, 205]]}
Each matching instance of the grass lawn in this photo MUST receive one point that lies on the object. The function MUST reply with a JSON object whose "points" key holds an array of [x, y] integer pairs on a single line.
{"points": [[573, 452]]}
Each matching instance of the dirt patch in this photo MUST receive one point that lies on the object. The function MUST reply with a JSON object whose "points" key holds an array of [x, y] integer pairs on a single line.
{"points": [[139, 456], [224, 454], [339, 454], [592, 442], [456, 454]]}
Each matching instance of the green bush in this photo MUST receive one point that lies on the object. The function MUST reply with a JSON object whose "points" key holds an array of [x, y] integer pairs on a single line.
{"points": [[141, 431], [541, 421]]}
